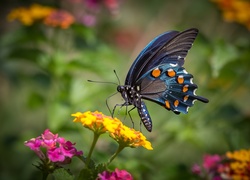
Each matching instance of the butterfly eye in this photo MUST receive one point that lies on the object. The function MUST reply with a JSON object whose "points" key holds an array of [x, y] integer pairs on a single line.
{"points": [[120, 88]]}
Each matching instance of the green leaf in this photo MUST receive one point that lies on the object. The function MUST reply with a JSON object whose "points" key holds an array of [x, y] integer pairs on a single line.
{"points": [[101, 167], [62, 174], [223, 54], [87, 174]]}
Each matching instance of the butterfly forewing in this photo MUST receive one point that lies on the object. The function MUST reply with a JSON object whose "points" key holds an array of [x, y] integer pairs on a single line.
{"points": [[169, 47], [142, 61]]}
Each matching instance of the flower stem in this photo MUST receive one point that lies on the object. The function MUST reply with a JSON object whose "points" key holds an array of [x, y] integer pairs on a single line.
{"points": [[96, 136], [45, 175], [119, 149]]}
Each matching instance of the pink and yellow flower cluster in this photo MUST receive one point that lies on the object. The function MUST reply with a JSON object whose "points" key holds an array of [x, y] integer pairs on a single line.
{"points": [[36, 13], [235, 11], [231, 166], [100, 123], [58, 150]]}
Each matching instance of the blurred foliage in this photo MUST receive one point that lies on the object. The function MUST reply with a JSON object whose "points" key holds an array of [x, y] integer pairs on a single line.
{"points": [[44, 72]]}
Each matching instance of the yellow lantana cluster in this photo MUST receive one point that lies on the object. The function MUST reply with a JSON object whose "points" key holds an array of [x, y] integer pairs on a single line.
{"points": [[130, 137], [96, 121], [28, 16], [48, 15], [240, 164], [237, 165], [235, 10], [100, 123]]}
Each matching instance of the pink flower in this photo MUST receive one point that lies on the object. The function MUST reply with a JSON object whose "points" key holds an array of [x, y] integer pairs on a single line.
{"points": [[122, 174], [211, 161], [56, 155], [58, 149], [111, 5], [116, 175], [196, 169], [89, 20], [49, 139], [35, 144]]}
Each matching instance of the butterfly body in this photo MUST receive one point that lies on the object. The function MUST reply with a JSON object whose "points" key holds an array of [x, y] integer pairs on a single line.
{"points": [[157, 75]]}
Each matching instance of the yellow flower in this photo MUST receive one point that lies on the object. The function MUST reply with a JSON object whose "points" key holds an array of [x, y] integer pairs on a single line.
{"points": [[235, 10], [21, 14], [38, 11], [27, 16], [92, 120], [128, 137], [239, 163], [100, 123], [241, 155]]}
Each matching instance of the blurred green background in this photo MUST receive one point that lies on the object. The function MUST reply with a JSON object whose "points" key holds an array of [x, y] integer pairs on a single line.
{"points": [[44, 72]]}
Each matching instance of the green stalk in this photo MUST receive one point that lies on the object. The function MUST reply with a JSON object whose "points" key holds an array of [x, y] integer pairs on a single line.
{"points": [[119, 149], [96, 136], [45, 175]]}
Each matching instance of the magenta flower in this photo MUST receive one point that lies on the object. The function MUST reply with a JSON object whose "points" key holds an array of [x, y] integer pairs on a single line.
{"points": [[89, 20], [211, 161], [196, 169], [95, 5], [116, 175], [58, 149], [35, 144]]}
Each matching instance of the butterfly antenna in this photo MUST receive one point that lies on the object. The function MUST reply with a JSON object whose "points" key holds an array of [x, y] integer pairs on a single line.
{"points": [[106, 82], [117, 77]]}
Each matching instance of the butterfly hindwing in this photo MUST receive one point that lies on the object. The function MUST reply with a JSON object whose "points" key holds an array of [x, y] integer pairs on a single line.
{"points": [[170, 86]]}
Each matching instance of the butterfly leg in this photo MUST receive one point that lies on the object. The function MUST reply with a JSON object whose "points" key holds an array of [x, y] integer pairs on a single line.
{"points": [[121, 105], [131, 116], [111, 113]]}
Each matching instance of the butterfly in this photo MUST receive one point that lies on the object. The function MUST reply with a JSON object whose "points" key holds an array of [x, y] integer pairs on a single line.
{"points": [[158, 75]]}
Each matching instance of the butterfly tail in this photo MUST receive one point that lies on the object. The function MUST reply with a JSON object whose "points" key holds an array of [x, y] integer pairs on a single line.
{"points": [[181, 94]]}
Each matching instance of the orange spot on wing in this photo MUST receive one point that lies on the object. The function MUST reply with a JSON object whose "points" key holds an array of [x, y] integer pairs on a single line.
{"points": [[185, 88], [171, 73], [176, 103], [185, 98], [156, 72], [167, 103], [180, 79]]}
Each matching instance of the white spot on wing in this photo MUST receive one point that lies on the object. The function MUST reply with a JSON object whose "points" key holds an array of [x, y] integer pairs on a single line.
{"points": [[184, 71], [174, 65], [193, 101], [194, 92], [191, 80]]}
